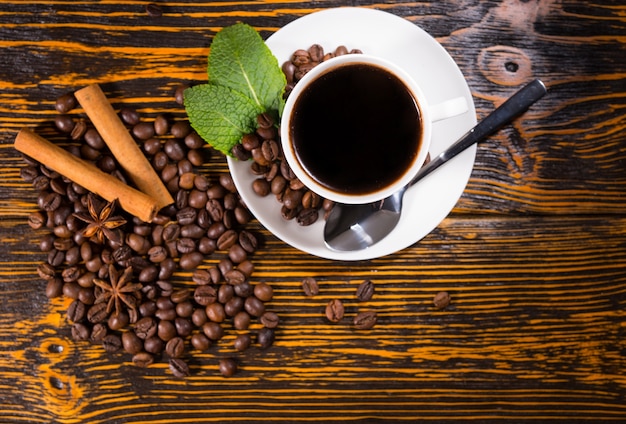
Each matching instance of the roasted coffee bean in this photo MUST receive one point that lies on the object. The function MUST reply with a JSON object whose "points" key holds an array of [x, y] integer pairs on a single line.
{"points": [[334, 310], [254, 306], [184, 326], [36, 220], [263, 292], [213, 330], [65, 103], [265, 337], [248, 241], [112, 343], [186, 181], [179, 94], [241, 321], [180, 129], [242, 342], [118, 320], [227, 240], [184, 309], [201, 277], [64, 123], [77, 311], [174, 150], [192, 231], [131, 342], [235, 305], [205, 295], [80, 332], [365, 320], [270, 319], [143, 359], [145, 328], [179, 367], [56, 258], [365, 291], [71, 290], [441, 300], [79, 131], [143, 130], [198, 317], [261, 187], [310, 286], [225, 293], [307, 217], [154, 345], [185, 245], [227, 367], [97, 313], [237, 254], [246, 267], [200, 341], [190, 260], [98, 333], [215, 312], [129, 115], [54, 288], [175, 347]]}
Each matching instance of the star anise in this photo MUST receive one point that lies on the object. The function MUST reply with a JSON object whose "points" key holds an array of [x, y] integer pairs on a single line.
{"points": [[100, 221], [118, 290]]}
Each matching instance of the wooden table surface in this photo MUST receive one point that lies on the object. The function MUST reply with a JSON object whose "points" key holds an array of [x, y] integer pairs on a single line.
{"points": [[533, 255]]}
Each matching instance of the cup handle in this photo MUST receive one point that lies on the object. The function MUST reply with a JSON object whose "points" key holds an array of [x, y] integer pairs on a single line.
{"points": [[448, 109]]}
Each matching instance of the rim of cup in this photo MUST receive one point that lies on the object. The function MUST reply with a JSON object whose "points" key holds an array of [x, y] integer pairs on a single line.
{"points": [[328, 66]]}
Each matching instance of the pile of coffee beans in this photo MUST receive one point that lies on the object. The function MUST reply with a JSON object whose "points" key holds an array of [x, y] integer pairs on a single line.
{"points": [[275, 176], [125, 285]]}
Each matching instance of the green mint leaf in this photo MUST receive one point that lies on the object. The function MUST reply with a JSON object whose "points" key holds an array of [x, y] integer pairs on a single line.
{"points": [[220, 115], [240, 59]]}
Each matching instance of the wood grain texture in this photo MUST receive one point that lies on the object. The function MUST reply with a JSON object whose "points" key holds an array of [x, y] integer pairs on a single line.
{"points": [[533, 255]]}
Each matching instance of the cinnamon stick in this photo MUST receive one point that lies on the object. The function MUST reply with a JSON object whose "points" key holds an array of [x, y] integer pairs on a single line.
{"points": [[86, 175], [122, 145]]}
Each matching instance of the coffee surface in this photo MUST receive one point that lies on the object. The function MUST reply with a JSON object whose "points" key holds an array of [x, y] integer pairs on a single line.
{"points": [[356, 129]]}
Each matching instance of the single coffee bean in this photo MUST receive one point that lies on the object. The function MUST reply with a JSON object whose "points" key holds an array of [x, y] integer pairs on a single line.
{"points": [[213, 330], [200, 341], [227, 367], [270, 319], [254, 306], [215, 312], [143, 130], [307, 217], [365, 320], [131, 343], [334, 310], [190, 260], [265, 337], [242, 342], [76, 311], [179, 367], [175, 347], [64, 123], [80, 332], [310, 286], [263, 292], [97, 313], [54, 288], [248, 241], [112, 343], [237, 254], [205, 295], [441, 300], [365, 291], [65, 103], [234, 305], [153, 345], [143, 359], [145, 328], [98, 333], [241, 321]]}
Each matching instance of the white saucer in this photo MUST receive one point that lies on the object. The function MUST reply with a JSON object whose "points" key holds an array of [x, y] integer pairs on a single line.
{"points": [[402, 42]]}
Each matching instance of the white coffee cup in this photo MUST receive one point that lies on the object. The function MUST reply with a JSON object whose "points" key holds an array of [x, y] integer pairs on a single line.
{"points": [[329, 171]]}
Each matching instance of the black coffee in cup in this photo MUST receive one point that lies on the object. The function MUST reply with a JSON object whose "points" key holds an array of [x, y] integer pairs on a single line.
{"points": [[356, 129]]}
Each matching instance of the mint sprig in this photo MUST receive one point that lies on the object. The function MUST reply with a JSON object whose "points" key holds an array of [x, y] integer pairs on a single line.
{"points": [[244, 81]]}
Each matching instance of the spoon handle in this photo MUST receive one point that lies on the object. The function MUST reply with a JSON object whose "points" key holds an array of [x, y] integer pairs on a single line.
{"points": [[510, 109]]}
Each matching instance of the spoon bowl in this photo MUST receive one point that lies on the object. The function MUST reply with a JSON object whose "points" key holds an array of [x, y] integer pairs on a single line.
{"points": [[359, 226]]}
